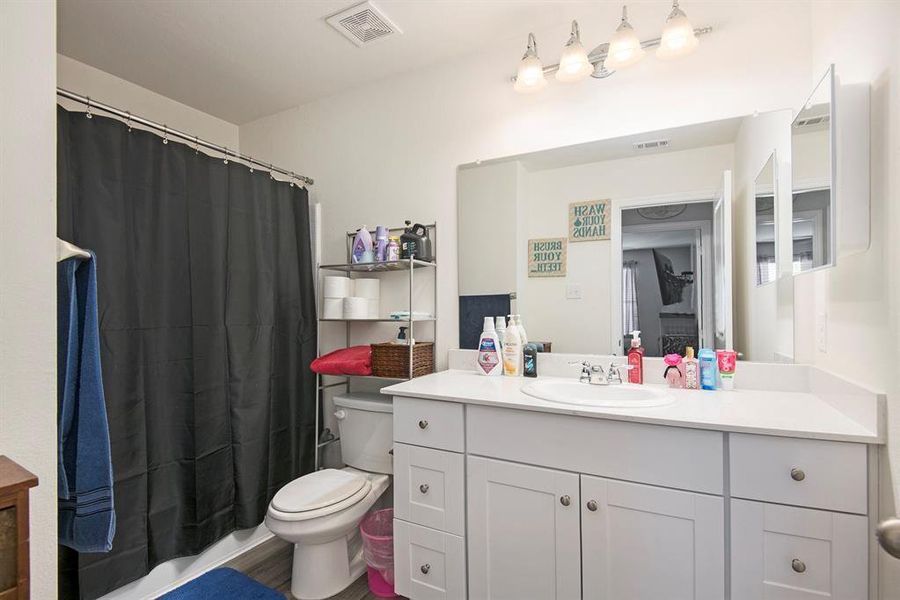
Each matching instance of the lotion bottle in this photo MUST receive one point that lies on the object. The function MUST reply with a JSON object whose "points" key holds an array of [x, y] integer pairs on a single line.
{"points": [[691, 370], [636, 359], [512, 351], [489, 360]]}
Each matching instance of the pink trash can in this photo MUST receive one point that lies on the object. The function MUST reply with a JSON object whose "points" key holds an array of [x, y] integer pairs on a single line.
{"points": [[377, 529]]}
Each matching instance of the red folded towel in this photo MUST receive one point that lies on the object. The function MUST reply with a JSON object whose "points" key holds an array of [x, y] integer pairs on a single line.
{"points": [[346, 361]]}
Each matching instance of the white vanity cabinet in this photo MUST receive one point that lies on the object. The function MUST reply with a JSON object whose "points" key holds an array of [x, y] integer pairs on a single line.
{"points": [[498, 503]]}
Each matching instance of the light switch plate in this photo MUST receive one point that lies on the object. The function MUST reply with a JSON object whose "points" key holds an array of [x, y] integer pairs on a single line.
{"points": [[573, 291]]}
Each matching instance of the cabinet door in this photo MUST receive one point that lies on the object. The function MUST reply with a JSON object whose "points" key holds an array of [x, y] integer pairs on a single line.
{"points": [[429, 488], [428, 564], [523, 532], [788, 553], [642, 542]]}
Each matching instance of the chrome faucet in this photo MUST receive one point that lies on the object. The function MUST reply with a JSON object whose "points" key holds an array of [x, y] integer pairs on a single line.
{"points": [[597, 375]]}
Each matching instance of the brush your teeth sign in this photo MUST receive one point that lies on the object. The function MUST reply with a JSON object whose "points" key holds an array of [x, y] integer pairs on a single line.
{"points": [[589, 221], [547, 257]]}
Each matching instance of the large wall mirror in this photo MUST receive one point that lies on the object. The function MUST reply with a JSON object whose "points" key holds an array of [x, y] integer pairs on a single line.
{"points": [[649, 232], [813, 203]]}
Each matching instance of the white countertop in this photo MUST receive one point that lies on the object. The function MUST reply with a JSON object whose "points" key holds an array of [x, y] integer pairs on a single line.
{"points": [[789, 414]]}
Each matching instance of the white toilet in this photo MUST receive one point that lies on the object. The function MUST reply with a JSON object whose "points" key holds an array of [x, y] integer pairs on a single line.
{"points": [[320, 512]]}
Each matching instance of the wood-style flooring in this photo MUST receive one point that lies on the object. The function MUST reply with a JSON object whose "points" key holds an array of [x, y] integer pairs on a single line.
{"points": [[270, 564]]}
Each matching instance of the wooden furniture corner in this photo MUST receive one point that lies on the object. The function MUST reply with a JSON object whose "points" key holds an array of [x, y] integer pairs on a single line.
{"points": [[15, 481]]}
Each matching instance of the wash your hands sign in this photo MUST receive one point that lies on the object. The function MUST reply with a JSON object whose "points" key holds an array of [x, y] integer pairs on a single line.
{"points": [[589, 221]]}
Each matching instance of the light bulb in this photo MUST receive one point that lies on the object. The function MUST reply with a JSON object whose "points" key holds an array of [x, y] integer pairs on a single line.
{"points": [[625, 47], [678, 37], [574, 64], [530, 76]]}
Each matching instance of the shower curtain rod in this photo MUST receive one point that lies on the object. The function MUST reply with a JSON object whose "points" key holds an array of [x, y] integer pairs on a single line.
{"points": [[169, 132]]}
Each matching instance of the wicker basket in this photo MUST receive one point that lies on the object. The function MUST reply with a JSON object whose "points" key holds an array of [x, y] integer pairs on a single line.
{"points": [[392, 360]]}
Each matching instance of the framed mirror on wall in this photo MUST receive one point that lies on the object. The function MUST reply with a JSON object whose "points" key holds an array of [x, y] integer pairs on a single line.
{"points": [[813, 223], [591, 242], [764, 195]]}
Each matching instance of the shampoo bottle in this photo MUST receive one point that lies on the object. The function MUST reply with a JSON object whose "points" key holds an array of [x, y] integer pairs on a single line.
{"points": [[691, 370], [512, 351], [708, 369], [636, 359], [488, 361]]}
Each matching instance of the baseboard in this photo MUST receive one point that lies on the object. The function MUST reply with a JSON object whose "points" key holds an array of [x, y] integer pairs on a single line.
{"points": [[169, 575]]}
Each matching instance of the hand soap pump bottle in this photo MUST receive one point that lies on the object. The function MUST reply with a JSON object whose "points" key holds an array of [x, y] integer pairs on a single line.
{"points": [[636, 359], [489, 361], [512, 351]]}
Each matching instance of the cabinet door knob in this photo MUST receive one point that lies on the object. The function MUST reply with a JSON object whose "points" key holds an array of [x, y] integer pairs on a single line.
{"points": [[423, 488], [565, 500], [425, 568], [797, 474], [592, 505], [423, 424], [798, 565]]}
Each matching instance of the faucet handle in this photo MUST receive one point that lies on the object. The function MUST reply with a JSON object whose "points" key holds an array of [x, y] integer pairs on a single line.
{"points": [[613, 375]]}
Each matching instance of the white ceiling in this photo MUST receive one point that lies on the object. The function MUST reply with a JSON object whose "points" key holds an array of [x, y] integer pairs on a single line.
{"points": [[243, 59]]}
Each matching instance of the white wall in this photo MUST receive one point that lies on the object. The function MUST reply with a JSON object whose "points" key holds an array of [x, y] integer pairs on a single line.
{"points": [[388, 151], [99, 85], [28, 265], [584, 325]]}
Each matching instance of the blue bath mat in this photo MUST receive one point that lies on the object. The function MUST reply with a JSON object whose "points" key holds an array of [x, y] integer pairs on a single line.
{"points": [[223, 584]]}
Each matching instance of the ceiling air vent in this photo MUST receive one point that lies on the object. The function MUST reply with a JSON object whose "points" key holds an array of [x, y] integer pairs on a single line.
{"points": [[363, 24], [811, 121], [651, 145]]}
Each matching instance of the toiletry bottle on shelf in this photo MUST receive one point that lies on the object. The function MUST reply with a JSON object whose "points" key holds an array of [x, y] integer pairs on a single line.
{"points": [[673, 373], [392, 253], [488, 361], [708, 370], [691, 370], [530, 354], [362, 246], [512, 351], [727, 362], [401, 336], [381, 243], [636, 358]]}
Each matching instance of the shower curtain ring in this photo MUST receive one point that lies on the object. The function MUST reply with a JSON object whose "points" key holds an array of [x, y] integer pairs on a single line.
{"points": [[128, 120], [271, 172], [89, 114], [165, 134], [196, 145], [292, 178], [226, 155]]}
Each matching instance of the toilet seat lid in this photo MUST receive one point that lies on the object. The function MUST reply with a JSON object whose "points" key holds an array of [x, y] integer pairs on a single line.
{"points": [[318, 490]]}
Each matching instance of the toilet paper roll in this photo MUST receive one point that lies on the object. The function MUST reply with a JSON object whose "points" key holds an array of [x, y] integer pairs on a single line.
{"points": [[337, 286], [356, 307], [367, 288], [333, 308], [374, 307]]}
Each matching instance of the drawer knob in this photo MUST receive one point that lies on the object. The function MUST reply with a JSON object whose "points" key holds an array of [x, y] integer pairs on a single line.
{"points": [[798, 566], [423, 424], [423, 488], [797, 474], [592, 505], [425, 568], [565, 500]]}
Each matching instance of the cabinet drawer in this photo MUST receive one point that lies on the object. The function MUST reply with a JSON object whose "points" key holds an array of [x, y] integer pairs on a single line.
{"points": [[688, 459], [814, 473], [429, 423], [798, 553], [428, 564], [429, 488]]}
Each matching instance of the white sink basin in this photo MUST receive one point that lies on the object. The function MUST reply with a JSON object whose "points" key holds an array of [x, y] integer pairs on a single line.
{"points": [[584, 394]]}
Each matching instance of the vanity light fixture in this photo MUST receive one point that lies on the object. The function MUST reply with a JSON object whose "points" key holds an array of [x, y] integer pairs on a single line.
{"points": [[574, 64], [678, 37], [530, 77], [625, 47]]}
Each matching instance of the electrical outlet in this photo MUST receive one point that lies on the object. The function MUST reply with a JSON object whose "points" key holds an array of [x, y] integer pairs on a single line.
{"points": [[822, 332], [573, 291]]}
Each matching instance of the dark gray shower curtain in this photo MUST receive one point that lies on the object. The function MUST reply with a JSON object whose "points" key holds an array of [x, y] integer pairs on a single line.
{"points": [[207, 326]]}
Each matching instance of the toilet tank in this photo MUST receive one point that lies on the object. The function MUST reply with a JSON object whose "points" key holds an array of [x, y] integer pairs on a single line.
{"points": [[365, 423]]}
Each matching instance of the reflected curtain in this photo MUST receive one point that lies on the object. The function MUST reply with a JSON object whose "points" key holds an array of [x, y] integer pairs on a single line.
{"points": [[207, 328], [629, 297]]}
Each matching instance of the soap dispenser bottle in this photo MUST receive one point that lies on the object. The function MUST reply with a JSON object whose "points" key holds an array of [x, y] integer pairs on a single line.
{"points": [[636, 359], [489, 360]]}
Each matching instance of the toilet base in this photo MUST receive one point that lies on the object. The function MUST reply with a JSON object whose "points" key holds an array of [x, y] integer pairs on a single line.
{"points": [[322, 570]]}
